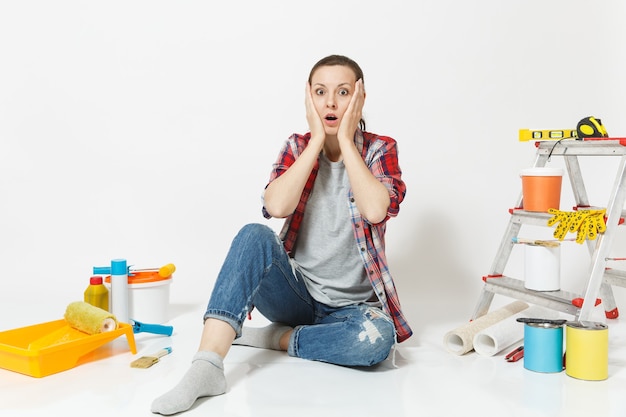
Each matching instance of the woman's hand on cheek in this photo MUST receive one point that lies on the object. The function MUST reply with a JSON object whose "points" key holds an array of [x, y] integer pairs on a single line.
{"points": [[313, 118], [354, 113]]}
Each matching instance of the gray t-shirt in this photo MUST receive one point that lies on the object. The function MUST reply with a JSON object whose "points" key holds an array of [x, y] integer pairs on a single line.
{"points": [[325, 250]]}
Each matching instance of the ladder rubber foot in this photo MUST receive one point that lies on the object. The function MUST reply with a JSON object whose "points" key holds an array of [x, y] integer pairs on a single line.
{"points": [[578, 302], [613, 314]]}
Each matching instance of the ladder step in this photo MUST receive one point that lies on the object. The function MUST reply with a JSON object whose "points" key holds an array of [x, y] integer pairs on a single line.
{"points": [[615, 277], [514, 288], [521, 216], [605, 147]]}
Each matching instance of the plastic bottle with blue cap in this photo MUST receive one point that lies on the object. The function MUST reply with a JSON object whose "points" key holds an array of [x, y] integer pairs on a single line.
{"points": [[119, 290]]}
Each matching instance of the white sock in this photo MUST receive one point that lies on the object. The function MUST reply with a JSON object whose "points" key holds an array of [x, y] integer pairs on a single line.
{"points": [[204, 378], [263, 337]]}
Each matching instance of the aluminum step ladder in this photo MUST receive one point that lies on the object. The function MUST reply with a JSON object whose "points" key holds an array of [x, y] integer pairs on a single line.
{"points": [[598, 287]]}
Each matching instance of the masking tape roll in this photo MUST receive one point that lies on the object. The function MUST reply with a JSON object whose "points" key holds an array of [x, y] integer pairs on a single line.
{"points": [[587, 350], [460, 340], [89, 319]]}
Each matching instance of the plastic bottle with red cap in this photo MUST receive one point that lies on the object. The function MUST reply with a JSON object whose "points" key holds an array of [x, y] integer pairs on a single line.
{"points": [[97, 294]]}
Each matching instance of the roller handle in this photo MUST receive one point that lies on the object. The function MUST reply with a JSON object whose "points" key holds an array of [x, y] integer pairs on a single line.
{"points": [[139, 327], [167, 270], [105, 270], [164, 272]]}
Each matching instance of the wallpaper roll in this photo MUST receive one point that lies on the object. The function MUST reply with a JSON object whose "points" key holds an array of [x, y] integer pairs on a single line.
{"points": [[493, 339], [460, 340]]}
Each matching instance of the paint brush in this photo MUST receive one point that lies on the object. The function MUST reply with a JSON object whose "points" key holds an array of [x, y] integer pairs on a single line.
{"points": [[148, 361], [546, 243]]}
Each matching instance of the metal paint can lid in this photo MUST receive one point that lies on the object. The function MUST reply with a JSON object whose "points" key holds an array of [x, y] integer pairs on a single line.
{"points": [[545, 325], [587, 325]]}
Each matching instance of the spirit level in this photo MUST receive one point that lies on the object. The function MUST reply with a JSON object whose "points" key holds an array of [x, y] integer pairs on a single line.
{"points": [[529, 134]]}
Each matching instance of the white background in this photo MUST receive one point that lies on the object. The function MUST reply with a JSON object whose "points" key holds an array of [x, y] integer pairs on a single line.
{"points": [[146, 130]]}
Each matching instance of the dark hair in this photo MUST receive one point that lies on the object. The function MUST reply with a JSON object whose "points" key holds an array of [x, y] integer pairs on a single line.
{"points": [[332, 60]]}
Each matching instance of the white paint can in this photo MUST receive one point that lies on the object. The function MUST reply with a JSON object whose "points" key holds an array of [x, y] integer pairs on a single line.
{"points": [[542, 267]]}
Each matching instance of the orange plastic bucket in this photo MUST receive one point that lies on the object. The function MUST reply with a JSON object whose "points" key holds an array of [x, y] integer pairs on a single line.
{"points": [[541, 188]]}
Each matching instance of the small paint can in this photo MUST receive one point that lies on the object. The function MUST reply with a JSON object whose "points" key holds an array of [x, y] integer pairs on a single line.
{"points": [[543, 347], [587, 350], [542, 268]]}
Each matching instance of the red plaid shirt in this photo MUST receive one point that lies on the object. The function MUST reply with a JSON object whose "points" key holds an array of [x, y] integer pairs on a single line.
{"points": [[381, 156]]}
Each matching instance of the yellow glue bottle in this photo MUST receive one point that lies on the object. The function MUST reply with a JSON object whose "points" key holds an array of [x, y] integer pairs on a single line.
{"points": [[97, 294]]}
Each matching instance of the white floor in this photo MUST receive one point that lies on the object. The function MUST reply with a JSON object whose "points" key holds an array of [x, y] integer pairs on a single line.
{"points": [[428, 381]]}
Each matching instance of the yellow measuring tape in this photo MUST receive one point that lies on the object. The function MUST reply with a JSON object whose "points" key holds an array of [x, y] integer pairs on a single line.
{"points": [[588, 127]]}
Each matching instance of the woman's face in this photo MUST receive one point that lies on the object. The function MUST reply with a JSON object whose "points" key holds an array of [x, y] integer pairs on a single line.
{"points": [[332, 88]]}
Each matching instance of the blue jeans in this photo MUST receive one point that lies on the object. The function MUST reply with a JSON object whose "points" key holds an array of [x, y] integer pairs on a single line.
{"points": [[257, 273]]}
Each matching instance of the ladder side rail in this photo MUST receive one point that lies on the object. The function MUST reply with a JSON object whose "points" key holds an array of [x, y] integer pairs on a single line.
{"points": [[540, 159], [576, 180], [505, 248], [604, 241], [497, 268], [579, 190], [582, 200], [484, 302], [608, 300]]}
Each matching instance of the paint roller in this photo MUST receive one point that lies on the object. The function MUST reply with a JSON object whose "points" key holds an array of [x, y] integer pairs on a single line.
{"points": [[89, 319], [81, 318], [165, 271]]}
